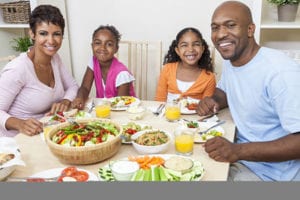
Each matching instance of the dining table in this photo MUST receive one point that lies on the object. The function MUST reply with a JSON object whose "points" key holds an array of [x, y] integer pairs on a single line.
{"points": [[38, 157]]}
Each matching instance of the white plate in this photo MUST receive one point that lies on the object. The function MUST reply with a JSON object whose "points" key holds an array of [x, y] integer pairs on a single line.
{"points": [[142, 126], [57, 171], [70, 113], [202, 127], [121, 107], [183, 103], [164, 156]]}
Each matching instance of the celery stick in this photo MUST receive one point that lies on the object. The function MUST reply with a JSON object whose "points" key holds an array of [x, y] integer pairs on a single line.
{"points": [[147, 175], [175, 174], [155, 173], [138, 176], [162, 174], [168, 175]]}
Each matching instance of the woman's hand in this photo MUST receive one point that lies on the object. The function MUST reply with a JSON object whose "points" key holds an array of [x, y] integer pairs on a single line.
{"points": [[78, 103], [30, 126], [59, 107]]}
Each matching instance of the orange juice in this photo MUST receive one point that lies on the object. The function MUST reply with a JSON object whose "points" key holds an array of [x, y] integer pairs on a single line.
{"points": [[184, 143], [102, 111], [172, 113]]}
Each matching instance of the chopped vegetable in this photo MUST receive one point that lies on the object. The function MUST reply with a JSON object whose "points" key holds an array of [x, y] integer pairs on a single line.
{"points": [[192, 124], [79, 134]]}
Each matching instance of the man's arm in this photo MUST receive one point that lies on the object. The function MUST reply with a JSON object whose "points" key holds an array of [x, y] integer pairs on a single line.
{"points": [[220, 97]]}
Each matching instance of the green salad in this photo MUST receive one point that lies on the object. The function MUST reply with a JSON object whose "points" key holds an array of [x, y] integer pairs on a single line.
{"points": [[84, 134]]}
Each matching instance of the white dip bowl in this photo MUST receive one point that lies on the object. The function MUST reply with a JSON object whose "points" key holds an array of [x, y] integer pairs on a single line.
{"points": [[123, 170]]}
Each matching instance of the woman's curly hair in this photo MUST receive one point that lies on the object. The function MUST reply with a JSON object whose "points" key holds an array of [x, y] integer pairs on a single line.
{"points": [[205, 61]]}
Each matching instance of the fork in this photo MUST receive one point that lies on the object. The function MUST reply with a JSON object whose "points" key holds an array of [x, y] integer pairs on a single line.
{"points": [[159, 109], [217, 124], [92, 106]]}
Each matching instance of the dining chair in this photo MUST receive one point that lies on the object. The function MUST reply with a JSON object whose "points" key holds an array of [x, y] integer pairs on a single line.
{"points": [[144, 60]]}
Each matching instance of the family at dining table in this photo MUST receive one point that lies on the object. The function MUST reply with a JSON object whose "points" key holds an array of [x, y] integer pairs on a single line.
{"points": [[258, 84]]}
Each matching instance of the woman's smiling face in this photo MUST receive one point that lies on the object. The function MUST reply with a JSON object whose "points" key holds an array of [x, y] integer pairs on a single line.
{"points": [[47, 38]]}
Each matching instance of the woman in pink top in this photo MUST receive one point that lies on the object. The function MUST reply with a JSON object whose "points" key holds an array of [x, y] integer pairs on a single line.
{"points": [[36, 82], [112, 78]]}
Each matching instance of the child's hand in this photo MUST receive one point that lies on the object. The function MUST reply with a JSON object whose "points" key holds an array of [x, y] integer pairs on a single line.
{"points": [[78, 103]]}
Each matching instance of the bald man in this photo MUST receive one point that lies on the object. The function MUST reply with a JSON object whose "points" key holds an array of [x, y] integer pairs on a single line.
{"points": [[261, 88]]}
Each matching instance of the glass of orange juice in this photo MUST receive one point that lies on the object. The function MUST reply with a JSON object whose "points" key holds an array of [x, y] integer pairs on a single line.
{"points": [[172, 112], [184, 141], [102, 109]]}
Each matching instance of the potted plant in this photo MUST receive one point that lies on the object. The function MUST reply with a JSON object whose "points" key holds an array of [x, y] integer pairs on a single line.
{"points": [[21, 44], [287, 9]]}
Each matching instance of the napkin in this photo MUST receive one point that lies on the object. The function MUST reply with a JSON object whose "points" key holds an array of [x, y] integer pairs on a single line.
{"points": [[9, 145], [213, 118], [154, 108]]}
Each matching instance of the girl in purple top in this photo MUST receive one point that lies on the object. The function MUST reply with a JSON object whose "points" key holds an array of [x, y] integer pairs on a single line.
{"points": [[112, 78], [36, 82]]}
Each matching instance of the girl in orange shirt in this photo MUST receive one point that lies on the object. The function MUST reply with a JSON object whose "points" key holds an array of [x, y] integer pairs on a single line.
{"points": [[188, 69]]}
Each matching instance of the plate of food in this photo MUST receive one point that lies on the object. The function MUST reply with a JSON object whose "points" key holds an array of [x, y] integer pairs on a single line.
{"points": [[130, 129], [67, 174], [188, 106], [120, 103], [59, 116], [217, 131], [158, 167]]}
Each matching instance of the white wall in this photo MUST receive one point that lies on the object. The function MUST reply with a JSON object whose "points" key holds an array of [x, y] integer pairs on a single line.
{"points": [[136, 20]]}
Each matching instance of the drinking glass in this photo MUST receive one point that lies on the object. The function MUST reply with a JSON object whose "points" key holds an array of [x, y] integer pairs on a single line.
{"points": [[172, 112], [184, 141], [102, 109]]}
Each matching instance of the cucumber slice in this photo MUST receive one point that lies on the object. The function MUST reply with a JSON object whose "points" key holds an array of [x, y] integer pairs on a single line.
{"points": [[106, 174]]}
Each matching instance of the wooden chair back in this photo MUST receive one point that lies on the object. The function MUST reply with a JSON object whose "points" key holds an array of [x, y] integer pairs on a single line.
{"points": [[144, 60]]}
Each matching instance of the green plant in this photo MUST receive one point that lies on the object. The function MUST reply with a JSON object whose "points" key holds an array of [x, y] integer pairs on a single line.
{"points": [[21, 44], [283, 2]]}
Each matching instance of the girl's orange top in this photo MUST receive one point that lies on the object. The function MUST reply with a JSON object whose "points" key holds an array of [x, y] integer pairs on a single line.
{"points": [[204, 85]]}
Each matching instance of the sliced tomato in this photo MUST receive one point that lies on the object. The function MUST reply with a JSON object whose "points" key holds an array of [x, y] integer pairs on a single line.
{"points": [[81, 176], [69, 171], [131, 131], [60, 179]]}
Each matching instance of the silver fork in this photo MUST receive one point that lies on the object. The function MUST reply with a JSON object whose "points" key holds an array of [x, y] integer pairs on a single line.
{"points": [[159, 109], [92, 106], [217, 124]]}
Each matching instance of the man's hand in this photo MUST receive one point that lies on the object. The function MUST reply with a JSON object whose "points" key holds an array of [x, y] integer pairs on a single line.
{"points": [[220, 149], [207, 106]]}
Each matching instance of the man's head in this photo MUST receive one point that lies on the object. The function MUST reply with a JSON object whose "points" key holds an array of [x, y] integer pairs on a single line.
{"points": [[232, 32]]}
